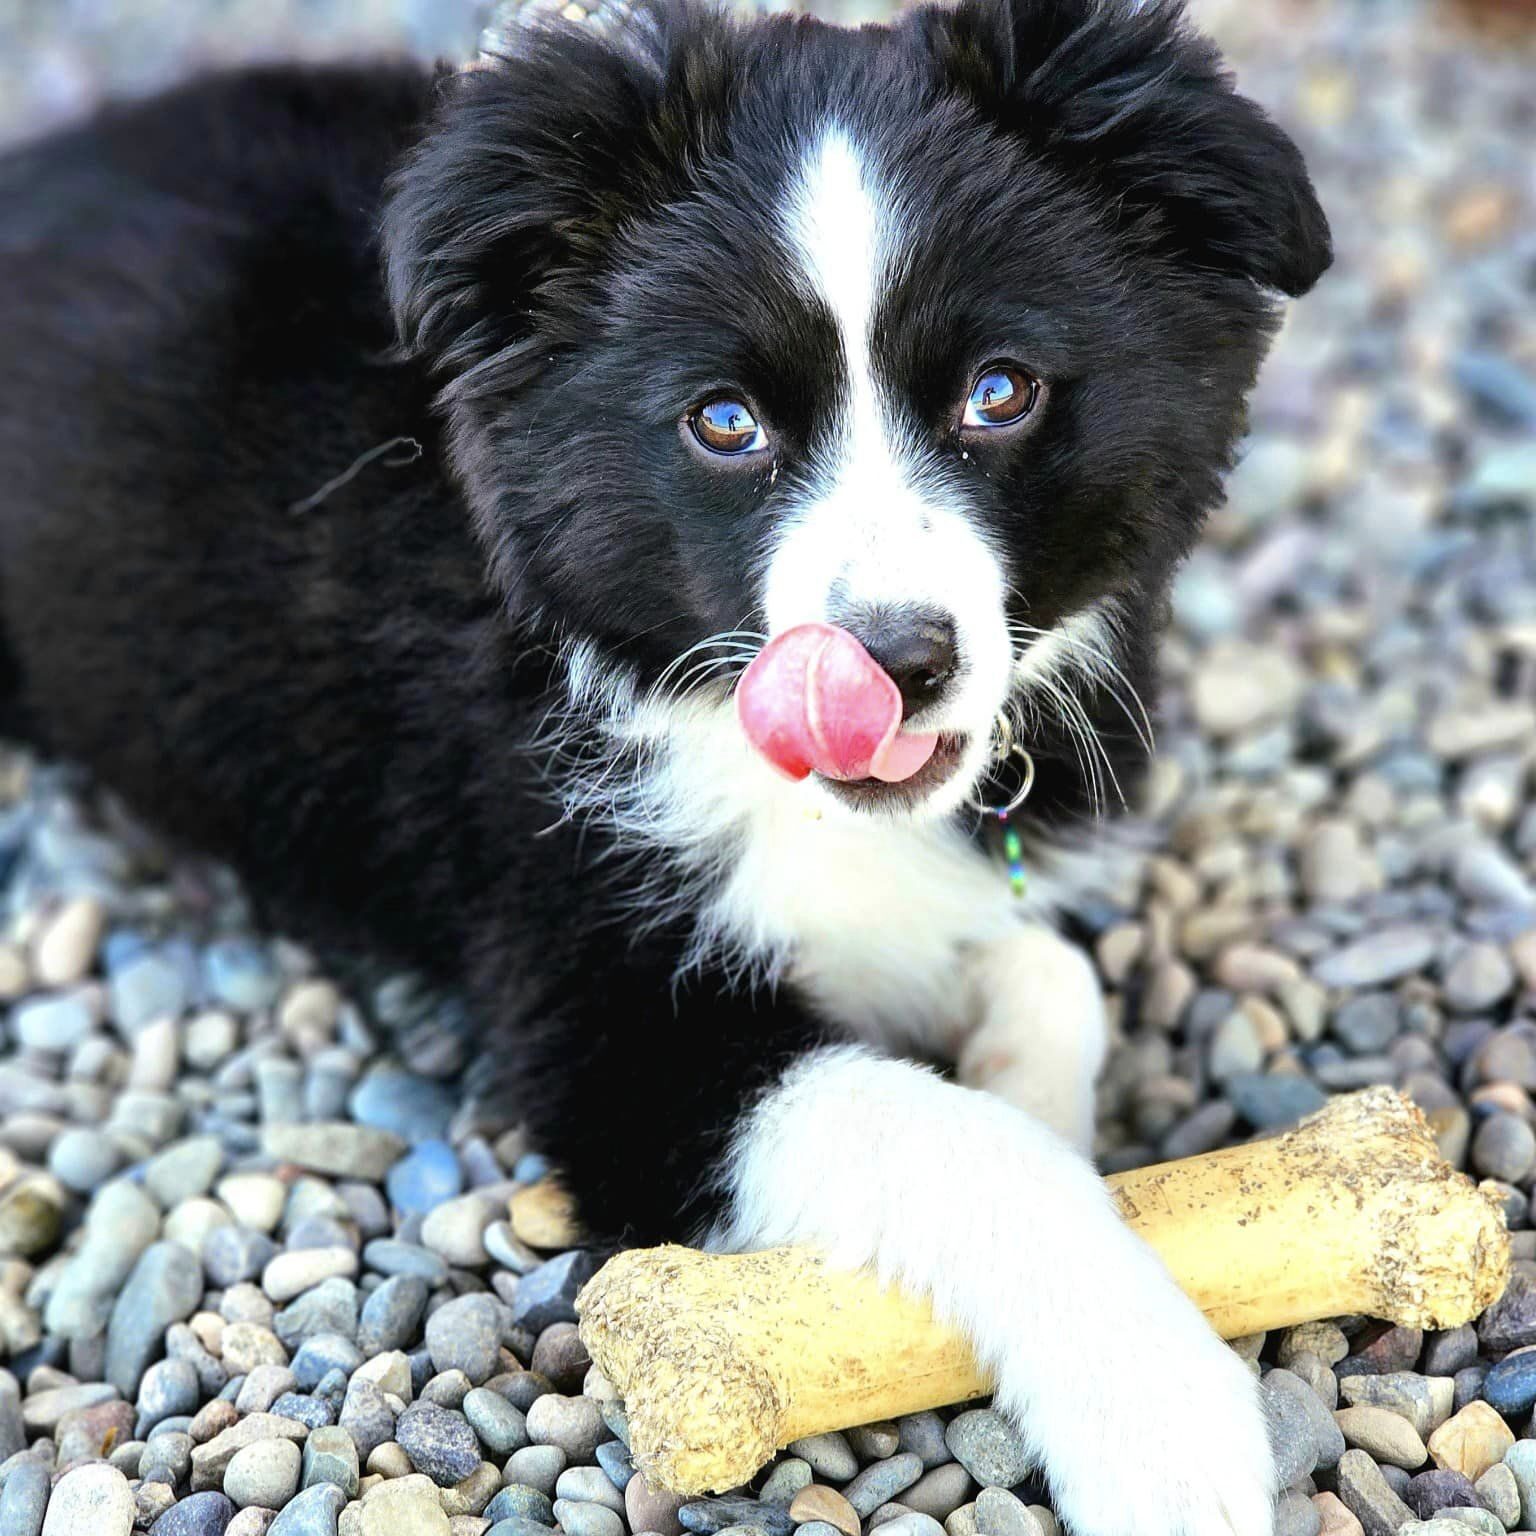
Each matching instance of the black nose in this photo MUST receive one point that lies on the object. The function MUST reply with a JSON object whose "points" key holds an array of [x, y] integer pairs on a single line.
{"points": [[916, 647]]}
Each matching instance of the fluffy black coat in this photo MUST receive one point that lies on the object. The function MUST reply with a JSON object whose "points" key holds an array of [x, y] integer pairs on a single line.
{"points": [[218, 302]]}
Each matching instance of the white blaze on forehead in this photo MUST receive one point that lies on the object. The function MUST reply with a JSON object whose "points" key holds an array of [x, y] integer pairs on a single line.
{"points": [[880, 521], [842, 241]]}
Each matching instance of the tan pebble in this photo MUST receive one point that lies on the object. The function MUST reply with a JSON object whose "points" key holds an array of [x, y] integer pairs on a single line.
{"points": [[389, 1372], [252, 1521], [309, 1010], [15, 974], [1174, 883], [403, 1504], [350, 1522], [1170, 991], [367, 1483], [1452, 1130], [961, 1522], [1205, 932], [150, 1501], [1306, 1006], [467, 1525], [1523, 952], [1471, 1441], [1253, 968], [1268, 1023], [1325, 1340], [1386, 1436], [247, 1345], [65, 946], [544, 1216], [244, 1303], [1118, 950], [1248, 1346], [257, 1199], [818, 1502], [1479, 216], [1336, 1516], [210, 1458], [389, 1460], [209, 1328], [471, 1494], [1508, 1096], [1049, 1525], [292, 1273]]}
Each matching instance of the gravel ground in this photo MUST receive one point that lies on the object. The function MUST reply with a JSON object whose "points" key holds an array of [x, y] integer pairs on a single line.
{"points": [[254, 1275]]}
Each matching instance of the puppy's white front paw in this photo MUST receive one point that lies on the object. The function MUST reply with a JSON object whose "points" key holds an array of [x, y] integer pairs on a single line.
{"points": [[1160, 1433]]}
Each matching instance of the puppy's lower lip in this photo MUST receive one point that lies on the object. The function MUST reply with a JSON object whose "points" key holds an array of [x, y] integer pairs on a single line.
{"points": [[873, 793]]}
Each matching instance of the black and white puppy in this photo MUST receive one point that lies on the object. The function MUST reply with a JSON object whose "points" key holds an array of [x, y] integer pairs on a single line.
{"points": [[396, 473]]}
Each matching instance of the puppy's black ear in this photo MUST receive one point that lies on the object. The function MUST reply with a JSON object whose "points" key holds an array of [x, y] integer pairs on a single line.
{"points": [[1133, 101], [502, 212]]}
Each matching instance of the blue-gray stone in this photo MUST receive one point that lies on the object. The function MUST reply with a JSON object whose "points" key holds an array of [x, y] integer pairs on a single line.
{"points": [[1291, 1435], [989, 1447], [391, 1316], [501, 1427], [516, 1525], [169, 1388], [536, 1466], [1510, 1386], [923, 1434], [524, 1388], [465, 1335], [409, 1106], [1510, 1323], [439, 1442], [613, 1458], [165, 1287], [241, 974], [1326, 1437], [1500, 387], [519, 1501], [390, 1256], [1267, 1101], [367, 1417], [315, 1412], [148, 987], [1430, 1492], [882, 1481], [578, 1519], [330, 1307], [25, 1497], [312, 1512], [548, 1294], [57, 1023], [1297, 1515], [425, 1177], [1368, 1023], [235, 1254], [199, 1514], [706, 1517], [321, 1354]]}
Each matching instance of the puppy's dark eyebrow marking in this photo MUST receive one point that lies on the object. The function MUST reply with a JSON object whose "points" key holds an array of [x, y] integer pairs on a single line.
{"points": [[356, 467]]}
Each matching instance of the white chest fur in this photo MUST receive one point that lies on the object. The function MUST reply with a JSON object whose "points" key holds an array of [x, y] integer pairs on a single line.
{"points": [[872, 916]]}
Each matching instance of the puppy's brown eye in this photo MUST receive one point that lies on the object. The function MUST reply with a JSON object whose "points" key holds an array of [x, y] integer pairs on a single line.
{"points": [[724, 425], [1002, 395]]}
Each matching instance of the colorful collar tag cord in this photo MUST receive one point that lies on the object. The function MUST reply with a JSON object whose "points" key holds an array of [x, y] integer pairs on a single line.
{"points": [[1013, 851], [1013, 844]]}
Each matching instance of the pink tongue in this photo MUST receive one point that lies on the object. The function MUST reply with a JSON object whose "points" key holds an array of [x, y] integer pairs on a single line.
{"points": [[815, 700]]}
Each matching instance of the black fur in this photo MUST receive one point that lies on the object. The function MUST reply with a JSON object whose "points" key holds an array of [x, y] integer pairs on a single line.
{"points": [[217, 303]]}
